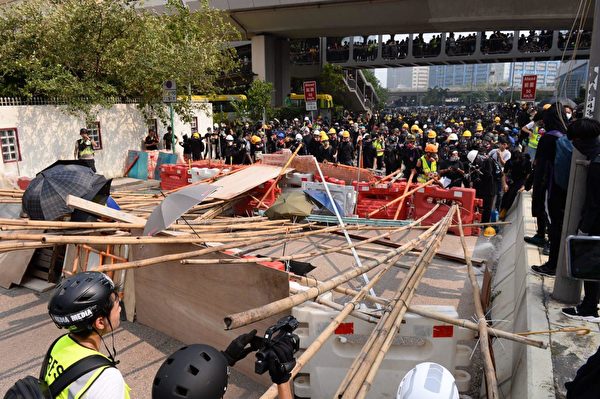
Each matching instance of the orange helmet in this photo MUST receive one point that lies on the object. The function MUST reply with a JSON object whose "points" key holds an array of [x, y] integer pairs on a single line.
{"points": [[431, 148]]}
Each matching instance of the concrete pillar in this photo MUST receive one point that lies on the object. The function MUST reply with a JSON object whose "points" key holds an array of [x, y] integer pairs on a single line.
{"points": [[592, 108], [567, 290], [271, 63]]}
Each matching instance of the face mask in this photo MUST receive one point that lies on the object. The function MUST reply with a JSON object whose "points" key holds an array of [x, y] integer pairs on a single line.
{"points": [[569, 115], [453, 159]]}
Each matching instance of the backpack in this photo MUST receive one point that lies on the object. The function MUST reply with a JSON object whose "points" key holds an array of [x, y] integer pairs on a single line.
{"points": [[31, 387], [496, 169]]}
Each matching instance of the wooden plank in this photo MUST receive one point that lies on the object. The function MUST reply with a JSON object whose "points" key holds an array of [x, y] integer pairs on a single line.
{"points": [[129, 296], [238, 183], [189, 302], [101, 210], [14, 264], [37, 284]]}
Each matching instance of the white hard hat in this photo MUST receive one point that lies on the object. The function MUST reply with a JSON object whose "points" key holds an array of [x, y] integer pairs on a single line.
{"points": [[216, 125], [306, 118], [425, 126], [315, 132], [448, 130], [428, 381], [229, 137], [295, 119], [298, 136], [452, 137], [472, 155]]}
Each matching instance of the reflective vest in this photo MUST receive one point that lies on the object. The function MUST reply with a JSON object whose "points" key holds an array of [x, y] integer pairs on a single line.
{"points": [[66, 352], [378, 145], [427, 169], [534, 137], [85, 149]]}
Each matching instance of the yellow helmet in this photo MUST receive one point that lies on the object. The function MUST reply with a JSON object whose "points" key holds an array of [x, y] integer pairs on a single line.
{"points": [[196, 135], [345, 134], [405, 126], [324, 136], [467, 133], [489, 232], [497, 119], [546, 106], [479, 127], [460, 123], [332, 131], [414, 128], [431, 134], [255, 139]]}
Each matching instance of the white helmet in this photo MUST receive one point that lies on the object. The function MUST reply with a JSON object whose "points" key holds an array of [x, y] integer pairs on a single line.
{"points": [[229, 137], [472, 155], [306, 118], [316, 132], [448, 130], [298, 136], [453, 137], [216, 125], [428, 381]]}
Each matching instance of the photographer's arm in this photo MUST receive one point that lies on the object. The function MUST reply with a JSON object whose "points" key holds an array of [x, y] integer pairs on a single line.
{"points": [[284, 391]]}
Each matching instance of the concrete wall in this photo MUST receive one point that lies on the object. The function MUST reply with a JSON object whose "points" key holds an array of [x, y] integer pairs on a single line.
{"points": [[523, 372], [47, 134]]}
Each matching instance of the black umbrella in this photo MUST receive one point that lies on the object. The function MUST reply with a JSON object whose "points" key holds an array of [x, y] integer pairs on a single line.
{"points": [[45, 198], [561, 100]]}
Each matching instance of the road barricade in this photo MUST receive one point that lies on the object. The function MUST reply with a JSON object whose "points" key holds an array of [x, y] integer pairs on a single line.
{"points": [[372, 196], [247, 204], [419, 340], [344, 195], [426, 198]]}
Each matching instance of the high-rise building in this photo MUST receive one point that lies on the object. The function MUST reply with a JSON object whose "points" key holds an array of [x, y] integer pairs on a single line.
{"points": [[546, 71], [408, 78], [466, 76], [572, 76]]}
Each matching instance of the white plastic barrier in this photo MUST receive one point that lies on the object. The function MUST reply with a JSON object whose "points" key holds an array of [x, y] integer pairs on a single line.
{"points": [[419, 340], [198, 174], [345, 195], [296, 179]]}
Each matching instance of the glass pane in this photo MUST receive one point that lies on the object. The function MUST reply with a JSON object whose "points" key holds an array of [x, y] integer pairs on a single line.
{"points": [[460, 43]]}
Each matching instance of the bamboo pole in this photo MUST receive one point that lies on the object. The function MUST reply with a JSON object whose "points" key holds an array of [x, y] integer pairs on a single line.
{"points": [[491, 382], [366, 364], [473, 224], [385, 178], [17, 246], [250, 316], [400, 198], [281, 172], [408, 182], [303, 255]]}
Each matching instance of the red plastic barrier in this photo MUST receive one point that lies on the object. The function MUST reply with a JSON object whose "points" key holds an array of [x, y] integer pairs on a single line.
{"points": [[245, 205], [426, 198], [273, 265], [174, 176], [23, 182], [371, 197], [331, 180]]}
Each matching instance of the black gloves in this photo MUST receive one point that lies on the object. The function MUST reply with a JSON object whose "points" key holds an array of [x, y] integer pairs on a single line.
{"points": [[281, 358], [239, 349]]}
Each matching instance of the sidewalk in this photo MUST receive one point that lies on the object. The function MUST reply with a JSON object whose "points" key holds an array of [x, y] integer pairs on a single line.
{"points": [[568, 350]]}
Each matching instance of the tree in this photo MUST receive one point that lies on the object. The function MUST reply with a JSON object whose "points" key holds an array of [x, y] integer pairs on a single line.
{"points": [[435, 96], [88, 53], [258, 104], [331, 81], [382, 93]]}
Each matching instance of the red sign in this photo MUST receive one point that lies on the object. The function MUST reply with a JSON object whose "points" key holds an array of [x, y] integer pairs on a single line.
{"points": [[310, 91], [528, 87]]}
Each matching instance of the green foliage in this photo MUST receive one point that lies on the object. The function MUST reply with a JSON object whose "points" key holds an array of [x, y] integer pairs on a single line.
{"points": [[381, 91], [259, 99], [289, 113], [331, 81], [435, 96], [86, 52]]}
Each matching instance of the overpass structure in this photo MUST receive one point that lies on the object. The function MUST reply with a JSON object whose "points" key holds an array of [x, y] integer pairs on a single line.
{"points": [[271, 25]]}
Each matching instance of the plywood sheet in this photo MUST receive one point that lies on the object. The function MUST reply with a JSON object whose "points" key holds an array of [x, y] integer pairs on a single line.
{"points": [[189, 302], [13, 266], [246, 179]]}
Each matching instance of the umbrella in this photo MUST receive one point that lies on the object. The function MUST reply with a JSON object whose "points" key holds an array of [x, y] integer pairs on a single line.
{"points": [[45, 198], [289, 206], [300, 268], [562, 100], [322, 199], [175, 205]]}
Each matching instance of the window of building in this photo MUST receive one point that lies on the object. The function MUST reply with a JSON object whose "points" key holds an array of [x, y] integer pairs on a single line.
{"points": [[95, 134], [10, 145], [194, 124]]}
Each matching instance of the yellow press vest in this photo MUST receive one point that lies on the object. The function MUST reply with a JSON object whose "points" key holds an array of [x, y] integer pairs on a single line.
{"points": [[534, 138], [378, 148], [427, 169], [66, 352]]}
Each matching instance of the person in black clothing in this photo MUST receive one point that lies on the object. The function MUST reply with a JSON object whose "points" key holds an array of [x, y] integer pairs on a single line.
{"points": [[168, 139], [368, 151], [409, 155], [543, 171], [390, 154], [294, 145], [453, 169], [483, 180], [327, 153], [230, 152], [196, 146], [314, 147], [585, 135], [187, 147], [346, 150], [151, 141], [516, 172]]}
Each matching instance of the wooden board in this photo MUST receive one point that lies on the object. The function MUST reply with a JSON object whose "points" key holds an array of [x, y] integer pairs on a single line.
{"points": [[189, 302], [246, 179], [13, 266]]}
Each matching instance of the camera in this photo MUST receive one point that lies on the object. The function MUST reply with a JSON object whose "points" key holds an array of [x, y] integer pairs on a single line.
{"points": [[284, 329]]}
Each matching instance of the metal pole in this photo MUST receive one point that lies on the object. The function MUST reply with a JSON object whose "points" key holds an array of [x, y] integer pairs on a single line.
{"points": [[172, 126], [592, 110], [343, 226], [512, 80]]}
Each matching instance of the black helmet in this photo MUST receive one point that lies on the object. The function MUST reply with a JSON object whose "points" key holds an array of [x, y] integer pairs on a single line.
{"points": [[195, 371], [79, 300]]}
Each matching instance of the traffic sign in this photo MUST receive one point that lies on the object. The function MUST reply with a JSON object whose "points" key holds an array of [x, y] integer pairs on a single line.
{"points": [[311, 105], [310, 91], [528, 87], [169, 91]]}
